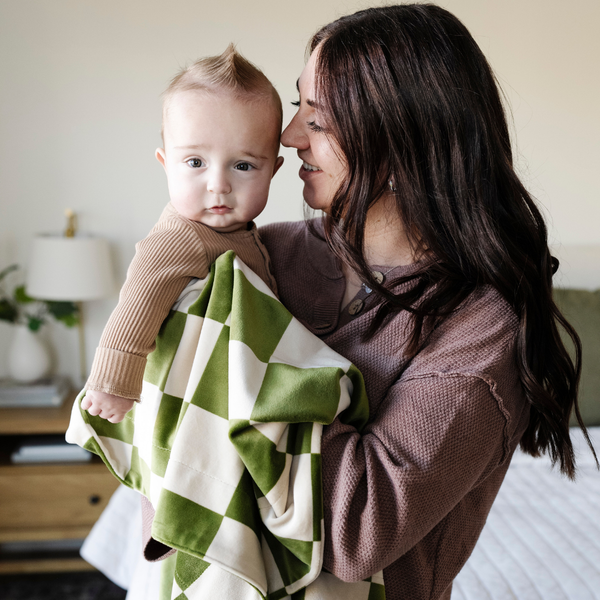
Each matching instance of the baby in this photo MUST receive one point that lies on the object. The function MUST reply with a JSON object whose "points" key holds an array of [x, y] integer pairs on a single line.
{"points": [[221, 125]]}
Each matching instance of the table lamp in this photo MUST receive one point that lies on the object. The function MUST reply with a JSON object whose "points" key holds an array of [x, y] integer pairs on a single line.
{"points": [[73, 268]]}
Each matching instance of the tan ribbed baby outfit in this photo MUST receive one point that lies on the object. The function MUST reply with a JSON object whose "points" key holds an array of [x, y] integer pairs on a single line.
{"points": [[175, 251]]}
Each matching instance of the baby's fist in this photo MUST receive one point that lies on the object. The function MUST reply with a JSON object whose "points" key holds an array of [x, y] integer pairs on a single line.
{"points": [[109, 407]]}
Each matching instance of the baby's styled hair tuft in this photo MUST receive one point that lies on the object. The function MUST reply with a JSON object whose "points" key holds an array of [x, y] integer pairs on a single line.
{"points": [[228, 72]]}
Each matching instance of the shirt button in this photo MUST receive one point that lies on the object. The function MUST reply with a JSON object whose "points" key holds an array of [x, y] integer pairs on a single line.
{"points": [[356, 306], [377, 276]]}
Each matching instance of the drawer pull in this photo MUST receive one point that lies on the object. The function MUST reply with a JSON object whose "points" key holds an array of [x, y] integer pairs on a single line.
{"points": [[94, 499]]}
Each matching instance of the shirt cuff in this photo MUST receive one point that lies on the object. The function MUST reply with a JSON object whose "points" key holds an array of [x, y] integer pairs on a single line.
{"points": [[118, 373]]}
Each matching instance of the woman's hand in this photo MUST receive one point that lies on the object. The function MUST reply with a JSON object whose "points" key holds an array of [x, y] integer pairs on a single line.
{"points": [[109, 407]]}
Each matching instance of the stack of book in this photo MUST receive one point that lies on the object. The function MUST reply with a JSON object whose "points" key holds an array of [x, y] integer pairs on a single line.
{"points": [[48, 449], [46, 392]]}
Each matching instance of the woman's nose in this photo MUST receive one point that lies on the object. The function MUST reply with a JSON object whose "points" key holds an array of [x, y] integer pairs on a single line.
{"points": [[218, 182], [293, 136]]}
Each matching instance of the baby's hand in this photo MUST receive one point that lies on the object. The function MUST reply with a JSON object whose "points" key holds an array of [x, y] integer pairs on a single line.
{"points": [[109, 407]]}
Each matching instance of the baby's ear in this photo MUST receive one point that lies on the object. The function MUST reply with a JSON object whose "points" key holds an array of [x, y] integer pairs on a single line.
{"points": [[278, 164], [160, 156]]}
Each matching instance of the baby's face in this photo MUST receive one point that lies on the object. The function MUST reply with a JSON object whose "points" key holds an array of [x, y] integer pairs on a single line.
{"points": [[220, 155]]}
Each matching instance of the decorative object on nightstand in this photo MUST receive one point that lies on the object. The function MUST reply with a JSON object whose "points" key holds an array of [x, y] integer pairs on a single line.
{"points": [[72, 268], [28, 358], [45, 392]]}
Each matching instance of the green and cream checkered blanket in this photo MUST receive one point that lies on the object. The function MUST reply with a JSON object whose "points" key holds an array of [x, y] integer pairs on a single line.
{"points": [[226, 441]]}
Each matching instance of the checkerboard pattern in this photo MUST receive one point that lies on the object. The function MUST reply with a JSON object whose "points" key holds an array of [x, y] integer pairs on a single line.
{"points": [[226, 442]]}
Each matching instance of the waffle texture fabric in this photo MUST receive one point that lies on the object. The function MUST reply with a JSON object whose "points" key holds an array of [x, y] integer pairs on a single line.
{"points": [[410, 494], [175, 251]]}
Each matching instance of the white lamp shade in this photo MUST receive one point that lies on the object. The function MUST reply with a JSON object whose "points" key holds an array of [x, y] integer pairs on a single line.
{"points": [[75, 269]]}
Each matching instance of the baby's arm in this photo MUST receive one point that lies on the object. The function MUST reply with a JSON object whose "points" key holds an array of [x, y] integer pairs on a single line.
{"points": [[164, 264], [109, 407]]}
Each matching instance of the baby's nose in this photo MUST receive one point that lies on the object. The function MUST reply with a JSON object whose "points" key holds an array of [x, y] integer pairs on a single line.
{"points": [[218, 183]]}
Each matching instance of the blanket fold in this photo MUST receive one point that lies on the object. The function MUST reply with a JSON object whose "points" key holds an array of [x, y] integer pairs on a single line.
{"points": [[226, 441]]}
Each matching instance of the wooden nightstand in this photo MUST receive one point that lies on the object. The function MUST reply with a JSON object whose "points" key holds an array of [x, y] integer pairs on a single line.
{"points": [[47, 501]]}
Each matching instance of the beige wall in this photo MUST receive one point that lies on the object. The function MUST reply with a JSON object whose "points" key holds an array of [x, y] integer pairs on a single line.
{"points": [[79, 110]]}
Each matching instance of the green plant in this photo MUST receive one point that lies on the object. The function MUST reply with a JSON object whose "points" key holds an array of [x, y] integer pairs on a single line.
{"points": [[19, 308]]}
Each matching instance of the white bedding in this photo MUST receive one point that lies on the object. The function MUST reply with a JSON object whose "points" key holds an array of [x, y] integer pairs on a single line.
{"points": [[541, 540], [542, 537]]}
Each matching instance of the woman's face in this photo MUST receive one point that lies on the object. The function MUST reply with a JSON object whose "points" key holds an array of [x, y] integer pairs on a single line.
{"points": [[323, 167]]}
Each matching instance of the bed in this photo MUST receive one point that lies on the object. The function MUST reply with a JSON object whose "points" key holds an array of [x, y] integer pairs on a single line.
{"points": [[542, 537]]}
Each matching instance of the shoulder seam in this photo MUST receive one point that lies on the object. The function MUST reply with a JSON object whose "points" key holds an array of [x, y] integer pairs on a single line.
{"points": [[493, 387]]}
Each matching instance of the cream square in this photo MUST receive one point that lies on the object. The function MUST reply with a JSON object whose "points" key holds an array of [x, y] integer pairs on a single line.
{"points": [[245, 385], [184, 357], [300, 348]]}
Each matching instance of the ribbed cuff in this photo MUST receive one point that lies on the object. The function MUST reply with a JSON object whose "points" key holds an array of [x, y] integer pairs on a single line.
{"points": [[118, 373]]}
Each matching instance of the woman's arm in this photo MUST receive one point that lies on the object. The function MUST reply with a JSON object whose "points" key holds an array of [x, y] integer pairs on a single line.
{"points": [[433, 441]]}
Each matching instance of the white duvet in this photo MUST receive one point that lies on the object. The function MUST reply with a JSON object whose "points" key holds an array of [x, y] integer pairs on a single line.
{"points": [[542, 537], [541, 540]]}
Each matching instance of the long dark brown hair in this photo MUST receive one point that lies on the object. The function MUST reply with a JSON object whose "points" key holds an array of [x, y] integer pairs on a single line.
{"points": [[410, 99]]}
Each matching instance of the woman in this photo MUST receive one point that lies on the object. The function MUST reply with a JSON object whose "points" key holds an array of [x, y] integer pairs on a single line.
{"points": [[431, 272]]}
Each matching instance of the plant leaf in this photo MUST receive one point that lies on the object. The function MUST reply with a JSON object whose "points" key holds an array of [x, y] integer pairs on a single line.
{"points": [[59, 310], [8, 311], [34, 323], [21, 295], [8, 270], [69, 320]]}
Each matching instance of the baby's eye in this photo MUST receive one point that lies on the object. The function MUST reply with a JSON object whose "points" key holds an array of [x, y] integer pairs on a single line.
{"points": [[243, 166], [195, 163]]}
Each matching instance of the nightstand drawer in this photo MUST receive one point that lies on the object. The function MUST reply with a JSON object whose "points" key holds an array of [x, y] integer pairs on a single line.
{"points": [[38, 497]]}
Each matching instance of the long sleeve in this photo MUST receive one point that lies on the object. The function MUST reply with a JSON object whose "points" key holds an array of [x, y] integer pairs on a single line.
{"points": [[163, 265], [433, 439]]}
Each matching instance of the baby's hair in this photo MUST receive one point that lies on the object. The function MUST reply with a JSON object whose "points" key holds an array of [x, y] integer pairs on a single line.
{"points": [[228, 72]]}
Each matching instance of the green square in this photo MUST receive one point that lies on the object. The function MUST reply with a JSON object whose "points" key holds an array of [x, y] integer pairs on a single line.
{"points": [[188, 569], [243, 506], [259, 454], [198, 308], [167, 575], [293, 395], [167, 341], [212, 391], [317, 489], [282, 593], [357, 414], [219, 303], [292, 557], [299, 439], [257, 320], [377, 592], [193, 526], [119, 431], [139, 475], [165, 429]]}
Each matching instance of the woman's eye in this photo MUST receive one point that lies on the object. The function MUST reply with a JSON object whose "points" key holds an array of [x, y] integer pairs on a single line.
{"points": [[243, 167], [296, 103], [195, 163], [315, 127]]}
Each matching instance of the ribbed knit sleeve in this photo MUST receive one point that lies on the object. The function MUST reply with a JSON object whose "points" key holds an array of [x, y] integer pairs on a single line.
{"points": [[163, 265]]}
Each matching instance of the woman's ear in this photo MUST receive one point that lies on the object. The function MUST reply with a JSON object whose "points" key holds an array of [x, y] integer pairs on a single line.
{"points": [[278, 164], [160, 156]]}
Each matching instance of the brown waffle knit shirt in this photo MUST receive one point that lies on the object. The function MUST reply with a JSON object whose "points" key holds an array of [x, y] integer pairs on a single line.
{"points": [[410, 494], [174, 252]]}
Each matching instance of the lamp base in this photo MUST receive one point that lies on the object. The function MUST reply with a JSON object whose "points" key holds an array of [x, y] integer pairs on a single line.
{"points": [[28, 358]]}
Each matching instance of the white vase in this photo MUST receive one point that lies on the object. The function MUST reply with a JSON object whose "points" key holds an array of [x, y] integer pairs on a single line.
{"points": [[28, 358]]}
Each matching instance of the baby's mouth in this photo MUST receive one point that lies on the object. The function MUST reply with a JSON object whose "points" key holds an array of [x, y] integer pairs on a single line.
{"points": [[220, 210], [310, 167]]}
